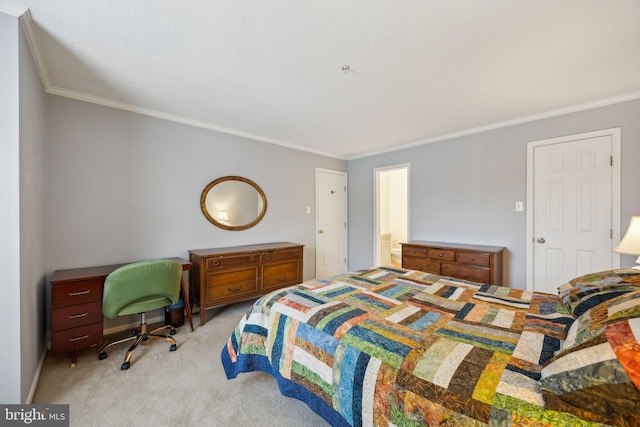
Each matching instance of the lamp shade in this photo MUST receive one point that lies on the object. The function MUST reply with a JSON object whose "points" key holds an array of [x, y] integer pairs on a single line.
{"points": [[630, 243]]}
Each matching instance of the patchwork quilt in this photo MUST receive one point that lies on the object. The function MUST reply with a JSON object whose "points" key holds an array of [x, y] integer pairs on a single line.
{"points": [[407, 348]]}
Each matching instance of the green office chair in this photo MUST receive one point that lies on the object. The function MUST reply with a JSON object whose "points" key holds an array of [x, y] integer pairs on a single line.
{"points": [[135, 289]]}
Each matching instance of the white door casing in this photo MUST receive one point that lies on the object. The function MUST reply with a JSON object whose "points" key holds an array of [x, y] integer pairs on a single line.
{"points": [[379, 213], [573, 207], [331, 223]]}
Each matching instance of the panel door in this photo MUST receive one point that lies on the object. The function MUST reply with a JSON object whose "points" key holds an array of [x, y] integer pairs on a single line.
{"points": [[331, 223], [572, 210]]}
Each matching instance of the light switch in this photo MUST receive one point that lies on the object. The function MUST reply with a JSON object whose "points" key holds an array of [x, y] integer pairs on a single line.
{"points": [[519, 206]]}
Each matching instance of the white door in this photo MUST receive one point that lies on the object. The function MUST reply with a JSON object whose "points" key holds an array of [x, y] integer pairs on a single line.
{"points": [[573, 214], [331, 223]]}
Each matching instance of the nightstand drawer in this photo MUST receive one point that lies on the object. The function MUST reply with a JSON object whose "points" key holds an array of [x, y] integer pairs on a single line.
{"points": [[72, 293], [76, 338], [76, 315]]}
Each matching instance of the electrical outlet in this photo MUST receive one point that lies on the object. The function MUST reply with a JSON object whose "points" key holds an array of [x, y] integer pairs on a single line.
{"points": [[519, 206], [308, 209]]}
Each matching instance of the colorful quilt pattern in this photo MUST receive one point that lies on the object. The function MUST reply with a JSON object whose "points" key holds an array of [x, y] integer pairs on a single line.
{"points": [[398, 347]]}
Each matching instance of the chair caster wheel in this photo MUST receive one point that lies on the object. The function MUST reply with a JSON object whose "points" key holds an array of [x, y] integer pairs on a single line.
{"points": [[102, 355], [173, 347], [173, 331], [125, 366]]}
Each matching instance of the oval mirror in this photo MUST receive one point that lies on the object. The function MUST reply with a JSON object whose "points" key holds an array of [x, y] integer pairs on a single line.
{"points": [[233, 203]]}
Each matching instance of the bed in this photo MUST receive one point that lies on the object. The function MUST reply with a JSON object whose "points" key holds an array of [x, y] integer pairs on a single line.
{"points": [[388, 346]]}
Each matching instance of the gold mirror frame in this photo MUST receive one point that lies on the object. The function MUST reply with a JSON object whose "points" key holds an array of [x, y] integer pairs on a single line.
{"points": [[209, 216]]}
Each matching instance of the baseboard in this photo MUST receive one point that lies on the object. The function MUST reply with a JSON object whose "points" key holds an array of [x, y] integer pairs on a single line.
{"points": [[36, 376]]}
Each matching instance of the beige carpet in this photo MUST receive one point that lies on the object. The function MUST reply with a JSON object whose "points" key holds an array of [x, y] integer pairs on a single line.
{"points": [[187, 387]]}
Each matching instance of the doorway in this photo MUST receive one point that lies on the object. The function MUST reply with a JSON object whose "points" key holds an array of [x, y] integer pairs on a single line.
{"points": [[331, 223], [573, 207], [391, 214]]}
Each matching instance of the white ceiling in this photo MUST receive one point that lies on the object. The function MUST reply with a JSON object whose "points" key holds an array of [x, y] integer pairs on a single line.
{"points": [[420, 70]]}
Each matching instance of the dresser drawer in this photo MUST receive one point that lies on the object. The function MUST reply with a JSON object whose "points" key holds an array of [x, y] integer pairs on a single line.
{"points": [[414, 251], [231, 261], [474, 258], [76, 315], [465, 272], [421, 264], [72, 293], [280, 255], [76, 338], [279, 275], [441, 254], [225, 284]]}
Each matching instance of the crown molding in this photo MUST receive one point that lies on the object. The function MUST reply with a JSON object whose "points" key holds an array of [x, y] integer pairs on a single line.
{"points": [[54, 90], [525, 119], [28, 27], [12, 8]]}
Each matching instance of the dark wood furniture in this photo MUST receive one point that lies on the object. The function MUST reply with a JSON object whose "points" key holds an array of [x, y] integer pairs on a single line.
{"points": [[76, 307], [222, 276], [477, 263]]}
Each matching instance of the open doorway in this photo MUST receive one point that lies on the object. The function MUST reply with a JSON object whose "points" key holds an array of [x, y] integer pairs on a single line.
{"points": [[392, 214]]}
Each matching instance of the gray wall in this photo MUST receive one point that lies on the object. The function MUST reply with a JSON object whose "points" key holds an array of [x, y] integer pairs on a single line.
{"points": [[10, 213], [32, 219], [22, 125], [463, 189], [125, 187]]}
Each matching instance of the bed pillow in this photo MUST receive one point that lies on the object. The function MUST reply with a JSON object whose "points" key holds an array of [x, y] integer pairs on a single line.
{"points": [[596, 373], [585, 292]]}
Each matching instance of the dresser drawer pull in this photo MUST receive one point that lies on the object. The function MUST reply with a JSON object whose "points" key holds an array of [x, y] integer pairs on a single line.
{"points": [[472, 258], [84, 337], [76, 316], [75, 294], [440, 254], [281, 279], [234, 289], [268, 257], [413, 252], [252, 259], [216, 263]]}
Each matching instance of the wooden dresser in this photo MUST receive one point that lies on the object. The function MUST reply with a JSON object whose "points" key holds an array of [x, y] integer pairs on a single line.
{"points": [[477, 263], [225, 275], [76, 312]]}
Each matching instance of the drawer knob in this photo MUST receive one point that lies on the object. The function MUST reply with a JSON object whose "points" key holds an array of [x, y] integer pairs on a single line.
{"points": [[413, 252], [268, 256], [216, 263], [472, 258], [252, 259], [440, 254]]}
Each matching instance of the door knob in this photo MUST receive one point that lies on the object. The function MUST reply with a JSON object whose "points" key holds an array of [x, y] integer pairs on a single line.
{"points": [[541, 240], [320, 231]]}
